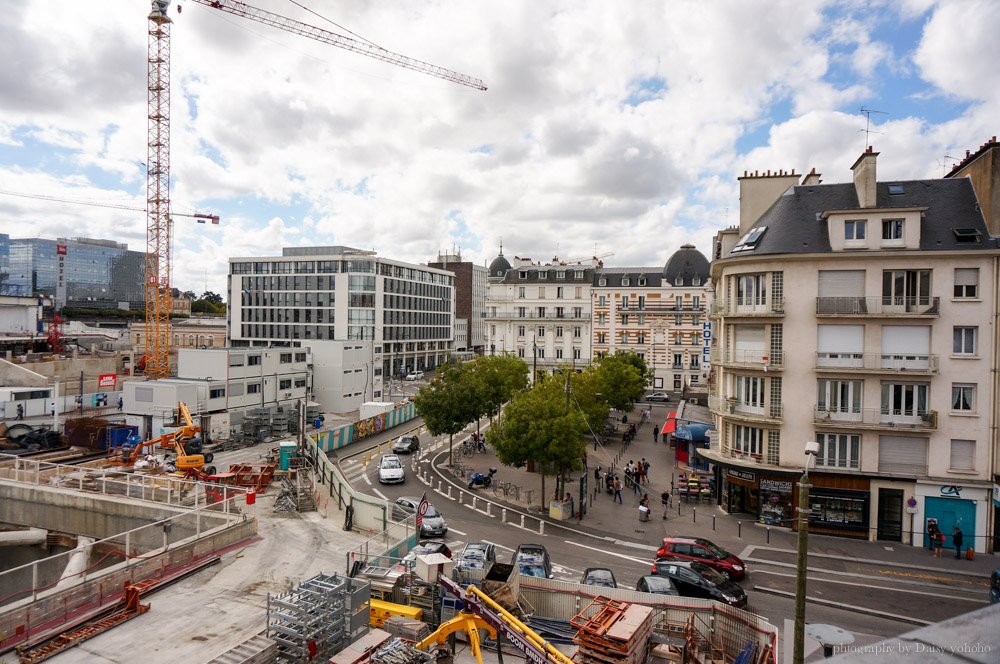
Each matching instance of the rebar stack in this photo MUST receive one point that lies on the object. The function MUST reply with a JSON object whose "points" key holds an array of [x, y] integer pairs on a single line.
{"points": [[316, 618]]}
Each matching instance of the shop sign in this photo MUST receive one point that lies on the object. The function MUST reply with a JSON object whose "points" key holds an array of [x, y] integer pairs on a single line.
{"points": [[951, 491], [706, 349], [744, 475], [780, 486]]}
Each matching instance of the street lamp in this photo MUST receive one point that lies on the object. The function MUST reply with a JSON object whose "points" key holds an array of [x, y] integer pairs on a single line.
{"points": [[798, 636]]}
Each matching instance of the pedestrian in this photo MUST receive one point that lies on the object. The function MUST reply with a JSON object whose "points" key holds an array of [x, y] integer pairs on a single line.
{"points": [[938, 543], [644, 508], [665, 500], [20, 412], [645, 471], [120, 404], [569, 499], [52, 409], [597, 475], [628, 475], [656, 434], [639, 469], [618, 491], [956, 539], [932, 534], [624, 418]]}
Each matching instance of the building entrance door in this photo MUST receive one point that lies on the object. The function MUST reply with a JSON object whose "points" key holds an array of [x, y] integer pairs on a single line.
{"points": [[890, 515]]}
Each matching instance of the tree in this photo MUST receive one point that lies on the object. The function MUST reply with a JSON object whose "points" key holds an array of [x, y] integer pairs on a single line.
{"points": [[538, 426], [586, 392], [623, 378], [213, 297], [495, 379], [446, 404]]}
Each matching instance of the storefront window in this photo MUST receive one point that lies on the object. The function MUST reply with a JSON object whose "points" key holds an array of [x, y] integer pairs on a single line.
{"points": [[842, 510], [775, 502]]}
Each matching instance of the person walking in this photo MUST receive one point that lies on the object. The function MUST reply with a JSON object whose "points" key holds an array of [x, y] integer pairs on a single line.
{"points": [[569, 499], [120, 404], [665, 501], [642, 470], [656, 434], [645, 471], [618, 491], [956, 539], [20, 412], [938, 543]]}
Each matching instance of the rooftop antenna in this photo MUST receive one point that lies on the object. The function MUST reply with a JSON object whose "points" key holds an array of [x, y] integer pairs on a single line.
{"points": [[944, 163], [868, 120]]}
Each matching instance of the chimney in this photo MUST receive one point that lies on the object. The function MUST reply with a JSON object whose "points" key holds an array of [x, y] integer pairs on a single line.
{"points": [[812, 177], [864, 178], [759, 191]]}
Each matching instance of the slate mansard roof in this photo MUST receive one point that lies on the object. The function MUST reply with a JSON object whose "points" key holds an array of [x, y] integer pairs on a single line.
{"points": [[794, 224]]}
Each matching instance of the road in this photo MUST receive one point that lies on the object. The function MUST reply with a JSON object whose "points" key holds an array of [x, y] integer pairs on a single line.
{"points": [[892, 600]]}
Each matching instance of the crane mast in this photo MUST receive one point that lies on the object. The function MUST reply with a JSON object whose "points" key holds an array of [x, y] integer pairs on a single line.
{"points": [[159, 226]]}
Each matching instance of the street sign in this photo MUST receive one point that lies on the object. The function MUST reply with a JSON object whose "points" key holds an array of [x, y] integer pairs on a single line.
{"points": [[107, 380], [421, 511]]}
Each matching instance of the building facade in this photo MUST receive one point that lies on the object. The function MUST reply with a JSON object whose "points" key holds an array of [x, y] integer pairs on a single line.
{"points": [[659, 313], [876, 298], [366, 318], [78, 272], [540, 312], [470, 302]]}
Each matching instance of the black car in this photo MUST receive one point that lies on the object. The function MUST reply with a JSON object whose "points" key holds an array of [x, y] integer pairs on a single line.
{"points": [[406, 444], [533, 560], [599, 576], [659, 585], [694, 579]]}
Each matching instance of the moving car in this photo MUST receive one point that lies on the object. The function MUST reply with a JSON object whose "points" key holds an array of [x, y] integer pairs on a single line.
{"points": [[695, 579], [658, 396], [660, 585], [433, 522], [477, 555], [415, 375], [390, 470], [406, 444], [599, 576], [702, 550], [533, 560]]}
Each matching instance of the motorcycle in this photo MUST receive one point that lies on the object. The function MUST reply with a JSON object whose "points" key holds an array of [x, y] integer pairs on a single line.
{"points": [[479, 479]]}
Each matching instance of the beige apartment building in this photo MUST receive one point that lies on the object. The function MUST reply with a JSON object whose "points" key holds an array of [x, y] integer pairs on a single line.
{"points": [[860, 316]]}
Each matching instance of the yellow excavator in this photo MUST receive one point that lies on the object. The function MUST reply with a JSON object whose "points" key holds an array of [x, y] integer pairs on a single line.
{"points": [[185, 442]]}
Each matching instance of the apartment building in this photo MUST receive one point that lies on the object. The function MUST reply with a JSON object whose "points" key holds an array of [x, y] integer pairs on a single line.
{"points": [[470, 302], [365, 318], [860, 316], [540, 312], [659, 313]]}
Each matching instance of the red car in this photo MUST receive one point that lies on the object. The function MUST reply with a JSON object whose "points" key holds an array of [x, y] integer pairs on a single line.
{"points": [[701, 550]]}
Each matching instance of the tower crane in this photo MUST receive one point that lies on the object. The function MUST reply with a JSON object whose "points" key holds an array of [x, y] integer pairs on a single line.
{"points": [[159, 227]]}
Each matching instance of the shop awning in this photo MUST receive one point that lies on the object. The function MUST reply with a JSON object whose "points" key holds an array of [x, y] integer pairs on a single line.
{"points": [[671, 424], [696, 431]]}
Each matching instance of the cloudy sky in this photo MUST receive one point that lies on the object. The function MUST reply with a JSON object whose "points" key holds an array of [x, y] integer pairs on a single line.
{"points": [[607, 127]]}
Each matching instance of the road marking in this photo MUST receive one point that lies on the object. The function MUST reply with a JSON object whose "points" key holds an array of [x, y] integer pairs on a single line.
{"points": [[868, 585], [456, 530], [500, 546], [380, 494], [610, 553], [563, 569]]}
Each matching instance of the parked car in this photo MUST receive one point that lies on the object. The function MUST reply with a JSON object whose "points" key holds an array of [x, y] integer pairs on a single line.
{"points": [[415, 375], [406, 444], [695, 579], [477, 555], [599, 576], [433, 522], [390, 470], [533, 560], [427, 547], [702, 550], [660, 585], [658, 396]]}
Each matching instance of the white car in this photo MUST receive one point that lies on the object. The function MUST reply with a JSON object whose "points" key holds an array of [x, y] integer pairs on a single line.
{"points": [[390, 469], [415, 375]]}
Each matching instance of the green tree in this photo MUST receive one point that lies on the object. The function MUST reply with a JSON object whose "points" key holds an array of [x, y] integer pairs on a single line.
{"points": [[446, 403], [586, 393], [623, 378], [537, 425], [495, 379]]}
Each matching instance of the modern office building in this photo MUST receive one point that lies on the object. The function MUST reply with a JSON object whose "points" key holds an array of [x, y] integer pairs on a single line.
{"points": [[470, 302], [78, 272], [364, 317], [540, 312], [862, 316], [661, 313]]}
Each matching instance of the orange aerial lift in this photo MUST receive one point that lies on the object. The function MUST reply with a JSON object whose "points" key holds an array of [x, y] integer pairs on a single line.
{"points": [[184, 441]]}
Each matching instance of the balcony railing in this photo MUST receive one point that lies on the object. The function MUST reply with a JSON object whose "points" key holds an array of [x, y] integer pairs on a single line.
{"points": [[749, 307], [661, 307], [878, 305], [877, 362], [751, 359], [877, 418], [728, 406], [533, 315]]}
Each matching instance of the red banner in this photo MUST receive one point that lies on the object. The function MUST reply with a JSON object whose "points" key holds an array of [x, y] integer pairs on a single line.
{"points": [[107, 380]]}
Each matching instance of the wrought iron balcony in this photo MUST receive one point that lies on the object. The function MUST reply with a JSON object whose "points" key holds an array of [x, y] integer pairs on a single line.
{"points": [[729, 407], [747, 359]]}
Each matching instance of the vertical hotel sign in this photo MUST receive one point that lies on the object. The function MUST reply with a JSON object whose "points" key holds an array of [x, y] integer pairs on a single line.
{"points": [[706, 338], [60, 276]]}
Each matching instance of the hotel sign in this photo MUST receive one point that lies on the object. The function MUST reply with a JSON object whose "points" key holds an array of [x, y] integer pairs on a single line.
{"points": [[60, 276]]}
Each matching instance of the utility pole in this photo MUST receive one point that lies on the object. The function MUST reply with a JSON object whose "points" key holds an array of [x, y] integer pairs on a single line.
{"points": [[802, 556]]}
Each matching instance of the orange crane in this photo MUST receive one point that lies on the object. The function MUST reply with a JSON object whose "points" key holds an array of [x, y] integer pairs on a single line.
{"points": [[159, 227]]}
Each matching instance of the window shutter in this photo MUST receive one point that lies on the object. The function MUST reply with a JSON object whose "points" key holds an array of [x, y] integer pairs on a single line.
{"points": [[840, 338], [966, 276], [906, 339], [902, 455], [841, 283], [963, 455]]}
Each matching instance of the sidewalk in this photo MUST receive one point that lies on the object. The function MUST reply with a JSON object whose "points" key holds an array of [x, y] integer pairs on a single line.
{"points": [[609, 520]]}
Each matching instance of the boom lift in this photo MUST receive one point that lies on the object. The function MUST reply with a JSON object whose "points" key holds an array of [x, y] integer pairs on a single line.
{"points": [[479, 611], [184, 441]]}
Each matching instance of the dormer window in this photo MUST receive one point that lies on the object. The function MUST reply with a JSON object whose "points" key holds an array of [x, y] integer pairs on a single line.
{"points": [[678, 280], [578, 274], [522, 274], [967, 235], [543, 274], [642, 281], [560, 275], [895, 189], [892, 229], [749, 241], [696, 281], [625, 281], [602, 282], [855, 229]]}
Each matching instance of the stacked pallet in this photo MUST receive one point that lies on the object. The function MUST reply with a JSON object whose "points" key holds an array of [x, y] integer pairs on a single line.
{"points": [[614, 633]]}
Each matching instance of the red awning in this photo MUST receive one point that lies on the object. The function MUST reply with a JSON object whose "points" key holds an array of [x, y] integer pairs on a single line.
{"points": [[671, 424]]}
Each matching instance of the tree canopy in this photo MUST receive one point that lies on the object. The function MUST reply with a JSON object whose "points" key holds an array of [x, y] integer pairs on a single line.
{"points": [[446, 403], [494, 380], [623, 378]]}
